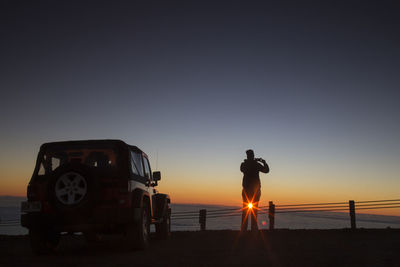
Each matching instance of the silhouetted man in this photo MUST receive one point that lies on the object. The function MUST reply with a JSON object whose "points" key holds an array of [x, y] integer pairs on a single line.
{"points": [[251, 188]]}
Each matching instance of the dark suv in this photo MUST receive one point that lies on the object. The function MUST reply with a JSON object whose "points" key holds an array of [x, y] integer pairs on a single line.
{"points": [[94, 187]]}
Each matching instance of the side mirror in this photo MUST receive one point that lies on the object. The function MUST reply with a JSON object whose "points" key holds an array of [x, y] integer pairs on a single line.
{"points": [[156, 176]]}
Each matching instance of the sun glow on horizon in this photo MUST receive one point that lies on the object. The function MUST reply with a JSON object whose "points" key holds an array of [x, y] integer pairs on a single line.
{"points": [[224, 189]]}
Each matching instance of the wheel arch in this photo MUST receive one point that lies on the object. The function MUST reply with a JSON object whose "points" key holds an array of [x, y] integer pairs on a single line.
{"points": [[139, 196], [159, 201]]}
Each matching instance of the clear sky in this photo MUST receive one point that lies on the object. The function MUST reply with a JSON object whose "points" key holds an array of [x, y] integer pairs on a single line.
{"points": [[312, 87]]}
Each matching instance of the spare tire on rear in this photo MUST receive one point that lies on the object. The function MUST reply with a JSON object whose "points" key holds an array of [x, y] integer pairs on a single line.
{"points": [[73, 188]]}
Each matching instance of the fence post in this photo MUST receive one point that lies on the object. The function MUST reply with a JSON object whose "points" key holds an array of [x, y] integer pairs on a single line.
{"points": [[271, 215], [352, 209], [202, 219]]}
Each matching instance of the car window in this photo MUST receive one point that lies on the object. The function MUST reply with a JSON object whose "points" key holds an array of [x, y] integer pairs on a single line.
{"points": [[137, 163], [99, 158], [55, 163], [147, 172], [41, 169], [49, 164]]}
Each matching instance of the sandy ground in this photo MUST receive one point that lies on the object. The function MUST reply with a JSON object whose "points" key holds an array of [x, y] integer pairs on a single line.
{"points": [[216, 248]]}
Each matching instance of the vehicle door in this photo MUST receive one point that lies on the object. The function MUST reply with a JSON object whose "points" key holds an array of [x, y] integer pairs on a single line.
{"points": [[148, 175], [138, 177]]}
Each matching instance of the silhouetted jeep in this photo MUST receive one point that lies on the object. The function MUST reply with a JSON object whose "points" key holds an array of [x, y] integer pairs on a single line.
{"points": [[94, 187]]}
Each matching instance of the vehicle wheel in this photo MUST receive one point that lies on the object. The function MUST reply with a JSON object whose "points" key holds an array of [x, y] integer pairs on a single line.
{"points": [[73, 189], [139, 233], [43, 241], [163, 229]]}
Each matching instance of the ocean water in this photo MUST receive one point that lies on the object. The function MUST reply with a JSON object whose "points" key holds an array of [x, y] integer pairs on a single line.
{"points": [[183, 221]]}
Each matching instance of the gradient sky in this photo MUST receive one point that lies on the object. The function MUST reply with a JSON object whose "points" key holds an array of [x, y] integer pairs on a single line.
{"points": [[312, 87]]}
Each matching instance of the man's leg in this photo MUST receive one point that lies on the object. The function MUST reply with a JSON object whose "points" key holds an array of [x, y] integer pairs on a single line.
{"points": [[254, 212], [254, 226], [245, 218]]}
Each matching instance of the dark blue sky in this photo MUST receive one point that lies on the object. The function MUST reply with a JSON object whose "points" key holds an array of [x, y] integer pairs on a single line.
{"points": [[310, 82]]}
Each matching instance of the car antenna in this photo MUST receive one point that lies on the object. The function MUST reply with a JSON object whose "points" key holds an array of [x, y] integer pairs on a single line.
{"points": [[157, 159]]}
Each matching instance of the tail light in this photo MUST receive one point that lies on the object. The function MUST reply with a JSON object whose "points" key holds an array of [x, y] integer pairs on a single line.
{"points": [[30, 192]]}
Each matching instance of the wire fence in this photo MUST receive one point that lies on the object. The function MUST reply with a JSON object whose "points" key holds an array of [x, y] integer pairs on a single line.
{"points": [[309, 207], [271, 210], [11, 222]]}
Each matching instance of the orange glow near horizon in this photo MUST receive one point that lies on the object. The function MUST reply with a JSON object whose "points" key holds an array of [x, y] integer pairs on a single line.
{"points": [[14, 183], [226, 191]]}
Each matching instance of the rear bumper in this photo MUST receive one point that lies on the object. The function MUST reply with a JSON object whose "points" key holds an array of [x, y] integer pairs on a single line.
{"points": [[76, 222]]}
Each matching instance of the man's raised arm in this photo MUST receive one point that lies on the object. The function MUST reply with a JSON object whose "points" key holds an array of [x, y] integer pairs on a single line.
{"points": [[265, 168]]}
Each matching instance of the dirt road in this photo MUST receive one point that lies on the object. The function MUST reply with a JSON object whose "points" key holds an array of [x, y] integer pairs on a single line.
{"points": [[216, 248]]}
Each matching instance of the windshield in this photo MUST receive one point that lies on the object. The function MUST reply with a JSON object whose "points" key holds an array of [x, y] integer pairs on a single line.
{"points": [[98, 158]]}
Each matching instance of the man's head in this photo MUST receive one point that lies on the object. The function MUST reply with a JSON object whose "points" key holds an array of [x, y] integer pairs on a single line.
{"points": [[250, 154]]}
